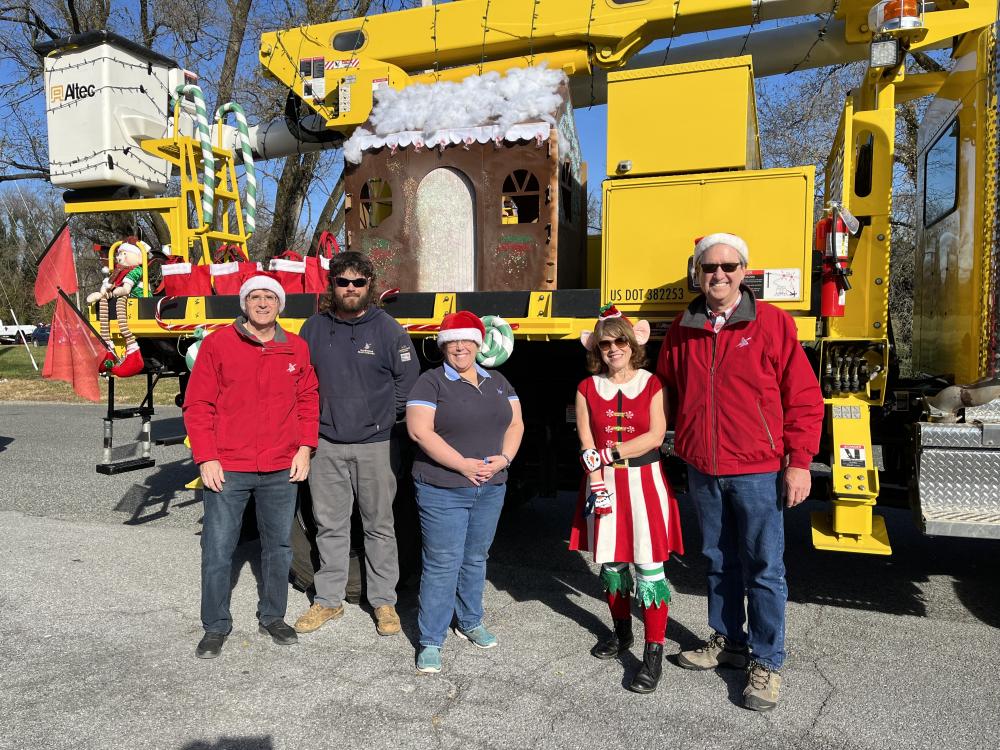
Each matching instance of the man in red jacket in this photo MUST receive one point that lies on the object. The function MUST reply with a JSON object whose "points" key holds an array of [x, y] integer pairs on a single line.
{"points": [[747, 415], [251, 411]]}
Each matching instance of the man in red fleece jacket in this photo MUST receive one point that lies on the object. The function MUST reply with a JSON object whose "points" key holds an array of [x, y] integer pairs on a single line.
{"points": [[251, 410], [747, 419]]}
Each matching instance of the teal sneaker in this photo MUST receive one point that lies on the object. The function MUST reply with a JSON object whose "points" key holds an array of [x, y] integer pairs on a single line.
{"points": [[478, 636], [429, 659]]}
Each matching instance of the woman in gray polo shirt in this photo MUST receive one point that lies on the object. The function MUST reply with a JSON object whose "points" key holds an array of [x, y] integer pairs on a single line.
{"points": [[467, 425]]}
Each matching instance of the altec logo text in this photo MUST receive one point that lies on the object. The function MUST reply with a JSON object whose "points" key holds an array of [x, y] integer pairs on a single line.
{"points": [[61, 93]]}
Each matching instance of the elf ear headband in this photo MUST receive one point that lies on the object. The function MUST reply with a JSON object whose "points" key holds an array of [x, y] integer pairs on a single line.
{"points": [[640, 328]]}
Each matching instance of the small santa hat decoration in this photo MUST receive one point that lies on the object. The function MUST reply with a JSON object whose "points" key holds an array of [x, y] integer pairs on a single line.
{"points": [[607, 312], [461, 326], [266, 281]]}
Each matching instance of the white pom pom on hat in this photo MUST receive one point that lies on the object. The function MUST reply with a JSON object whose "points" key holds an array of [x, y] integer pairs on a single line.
{"points": [[461, 326], [266, 281], [706, 243]]}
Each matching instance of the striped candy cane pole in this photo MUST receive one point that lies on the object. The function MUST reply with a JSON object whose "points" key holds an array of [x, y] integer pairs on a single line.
{"points": [[208, 180], [248, 166]]}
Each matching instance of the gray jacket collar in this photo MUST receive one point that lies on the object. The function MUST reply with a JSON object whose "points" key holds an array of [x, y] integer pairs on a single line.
{"points": [[696, 316], [241, 326]]}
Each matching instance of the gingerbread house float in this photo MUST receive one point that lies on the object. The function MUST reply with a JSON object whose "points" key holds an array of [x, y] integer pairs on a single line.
{"points": [[476, 186]]}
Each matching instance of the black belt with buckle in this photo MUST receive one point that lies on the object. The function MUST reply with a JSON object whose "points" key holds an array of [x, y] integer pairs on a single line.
{"points": [[650, 457]]}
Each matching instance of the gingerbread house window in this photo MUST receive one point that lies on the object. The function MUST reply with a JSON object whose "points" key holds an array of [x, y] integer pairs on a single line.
{"points": [[521, 203], [376, 202]]}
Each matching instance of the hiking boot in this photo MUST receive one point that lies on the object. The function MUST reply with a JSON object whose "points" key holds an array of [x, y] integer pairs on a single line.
{"points": [[386, 620], [478, 636], [429, 659], [280, 632], [763, 685], [620, 640], [315, 616], [648, 676], [210, 645], [715, 652]]}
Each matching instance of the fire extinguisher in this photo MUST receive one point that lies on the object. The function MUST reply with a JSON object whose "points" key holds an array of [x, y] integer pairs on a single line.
{"points": [[832, 241]]}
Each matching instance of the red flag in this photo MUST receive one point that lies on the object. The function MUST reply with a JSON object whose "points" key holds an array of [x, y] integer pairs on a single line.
{"points": [[74, 352], [56, 269]]}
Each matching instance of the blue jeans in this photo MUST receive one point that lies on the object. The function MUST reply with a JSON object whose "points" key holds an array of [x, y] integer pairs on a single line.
{"points": [[275, 498], [743, 537], [458, 526]]}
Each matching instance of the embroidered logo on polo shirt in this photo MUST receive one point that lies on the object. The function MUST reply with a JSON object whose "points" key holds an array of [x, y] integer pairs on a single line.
{"points": [[499, 391], [367, 349]]}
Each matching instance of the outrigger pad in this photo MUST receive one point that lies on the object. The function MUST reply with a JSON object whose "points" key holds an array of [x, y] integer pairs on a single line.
{"points": [[823, 536], [119, 467]]}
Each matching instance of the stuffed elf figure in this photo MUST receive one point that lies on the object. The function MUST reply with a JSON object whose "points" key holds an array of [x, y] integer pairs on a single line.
{"points": [[125, 281]]}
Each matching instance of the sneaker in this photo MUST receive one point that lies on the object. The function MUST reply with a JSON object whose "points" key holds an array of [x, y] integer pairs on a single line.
{"points": [[210, 645], [763, 685], [280, 633], [478, 636], [429, 659], [315, 616], [715, 652], [386, 620]]}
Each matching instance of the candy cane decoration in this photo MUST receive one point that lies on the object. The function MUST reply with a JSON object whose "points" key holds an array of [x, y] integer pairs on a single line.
{"points": [[181, 326], [248, 165], [208, 159], [498, 344]]}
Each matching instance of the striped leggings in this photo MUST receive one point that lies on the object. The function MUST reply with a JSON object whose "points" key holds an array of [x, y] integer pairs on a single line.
{"points": [[651, 589]]}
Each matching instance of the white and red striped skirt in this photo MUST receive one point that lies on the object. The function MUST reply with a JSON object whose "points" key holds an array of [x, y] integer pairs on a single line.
{"points": [[643, 526]]}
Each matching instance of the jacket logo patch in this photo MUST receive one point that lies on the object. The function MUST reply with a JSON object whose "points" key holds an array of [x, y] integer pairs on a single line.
{"points": [[291, 367], [367, 349], [744, 342], [404, 354]]}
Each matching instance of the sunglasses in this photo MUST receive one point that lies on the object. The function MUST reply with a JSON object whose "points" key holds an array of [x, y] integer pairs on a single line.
{"points": [[621, 342], [713, 267], [357, 283]]}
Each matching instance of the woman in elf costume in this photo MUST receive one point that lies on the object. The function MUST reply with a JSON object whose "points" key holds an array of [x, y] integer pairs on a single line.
{"points": [[627, 512]]}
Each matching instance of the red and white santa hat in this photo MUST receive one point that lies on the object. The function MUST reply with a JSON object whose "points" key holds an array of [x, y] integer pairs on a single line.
{"points": [[266, 281], [461, 326]]}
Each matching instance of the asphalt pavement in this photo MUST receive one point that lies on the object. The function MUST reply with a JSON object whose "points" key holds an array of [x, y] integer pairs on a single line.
{"points": [[99, 619]]}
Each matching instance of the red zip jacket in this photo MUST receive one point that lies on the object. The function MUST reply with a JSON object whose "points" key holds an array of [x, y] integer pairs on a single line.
{"points": [[742, 399], [251, 405]]}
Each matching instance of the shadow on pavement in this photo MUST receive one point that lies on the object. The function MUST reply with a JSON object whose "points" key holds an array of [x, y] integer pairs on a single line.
{"points": [[4, 442], [152, 500], [530, 560], [232, 743]]}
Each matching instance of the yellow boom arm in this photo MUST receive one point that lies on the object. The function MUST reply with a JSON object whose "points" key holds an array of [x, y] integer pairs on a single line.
{"points": [[334, 67]]}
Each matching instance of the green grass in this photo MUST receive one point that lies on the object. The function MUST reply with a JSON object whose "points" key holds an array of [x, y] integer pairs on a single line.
{"points": [[14, 361], [20, 382]]}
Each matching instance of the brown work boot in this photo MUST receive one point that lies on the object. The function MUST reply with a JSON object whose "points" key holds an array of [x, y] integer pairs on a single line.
{"points": [[715, 652], [386, 620], [315, 616], [763, 685]]}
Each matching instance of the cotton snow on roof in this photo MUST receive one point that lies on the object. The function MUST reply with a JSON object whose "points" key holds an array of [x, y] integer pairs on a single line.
{"points": [[518, 106]]}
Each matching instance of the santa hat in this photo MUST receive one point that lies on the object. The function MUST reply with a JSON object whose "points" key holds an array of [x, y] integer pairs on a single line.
{"points": [[704, 244], [266, 281], [461, 326]]}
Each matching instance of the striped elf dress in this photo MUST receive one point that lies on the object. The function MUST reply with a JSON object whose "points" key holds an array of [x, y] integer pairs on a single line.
{"points": [[643, 526]]}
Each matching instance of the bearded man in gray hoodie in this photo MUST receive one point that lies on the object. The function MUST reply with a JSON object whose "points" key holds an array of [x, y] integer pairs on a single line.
{"points": [[366, 365]]}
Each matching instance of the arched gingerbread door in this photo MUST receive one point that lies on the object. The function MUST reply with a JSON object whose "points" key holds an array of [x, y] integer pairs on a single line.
{"points": [[445, 213]]}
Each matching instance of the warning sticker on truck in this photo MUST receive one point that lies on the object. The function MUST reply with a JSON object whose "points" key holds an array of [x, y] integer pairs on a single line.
{"points": [[774, 283], [852, 456]]}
